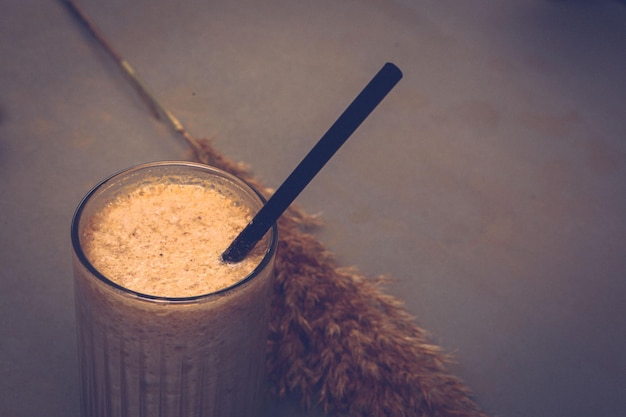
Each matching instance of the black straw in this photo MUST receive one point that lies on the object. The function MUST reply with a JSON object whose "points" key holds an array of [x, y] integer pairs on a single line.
{"points": [[333, 139]]}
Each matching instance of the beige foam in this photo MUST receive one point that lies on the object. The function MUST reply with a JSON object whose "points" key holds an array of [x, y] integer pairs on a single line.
{"points": [[166, 240]]}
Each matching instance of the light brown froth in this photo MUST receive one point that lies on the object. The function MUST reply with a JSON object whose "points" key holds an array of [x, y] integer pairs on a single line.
{"points": [[166, 239]]}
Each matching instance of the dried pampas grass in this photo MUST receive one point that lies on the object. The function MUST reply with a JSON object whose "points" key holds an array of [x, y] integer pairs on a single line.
{"points": [[338, 341]]}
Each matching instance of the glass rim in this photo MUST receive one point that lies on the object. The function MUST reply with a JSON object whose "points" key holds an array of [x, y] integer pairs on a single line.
{"points": [[82, 258]]}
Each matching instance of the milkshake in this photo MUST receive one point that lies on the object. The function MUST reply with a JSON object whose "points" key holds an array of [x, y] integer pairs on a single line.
{"points": [[165, 328]]}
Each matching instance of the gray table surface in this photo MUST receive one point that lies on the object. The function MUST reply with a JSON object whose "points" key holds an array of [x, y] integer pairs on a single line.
{"points": [[490, 184]]}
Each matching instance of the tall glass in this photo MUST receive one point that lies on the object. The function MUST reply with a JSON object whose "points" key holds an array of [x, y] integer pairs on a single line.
{"points": [[146, 355]]}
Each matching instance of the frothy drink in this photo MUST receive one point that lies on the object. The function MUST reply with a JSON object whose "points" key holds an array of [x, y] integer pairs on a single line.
{"points": [[165, 328], [166, 239]]}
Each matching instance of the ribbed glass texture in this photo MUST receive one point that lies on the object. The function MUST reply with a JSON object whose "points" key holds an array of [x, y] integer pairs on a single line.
{"points": [[149, 356]]}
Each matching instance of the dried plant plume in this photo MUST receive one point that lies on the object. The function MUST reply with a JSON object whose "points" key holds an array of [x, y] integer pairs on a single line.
{"points": [[337, 340]]}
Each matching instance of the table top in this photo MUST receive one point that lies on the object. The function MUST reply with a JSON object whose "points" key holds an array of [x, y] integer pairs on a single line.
{"points": [[490, 184]]}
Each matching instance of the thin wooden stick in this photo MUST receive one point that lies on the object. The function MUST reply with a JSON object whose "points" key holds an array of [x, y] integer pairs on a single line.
{"points": [[157, 109]]}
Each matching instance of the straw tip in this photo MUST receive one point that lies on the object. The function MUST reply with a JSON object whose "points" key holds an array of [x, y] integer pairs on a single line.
{"points": [[234, 254], [393, 69]]}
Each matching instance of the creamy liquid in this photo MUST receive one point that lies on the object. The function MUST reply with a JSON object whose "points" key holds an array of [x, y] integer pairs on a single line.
{"points": [[202, 357], [166, 239]]}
